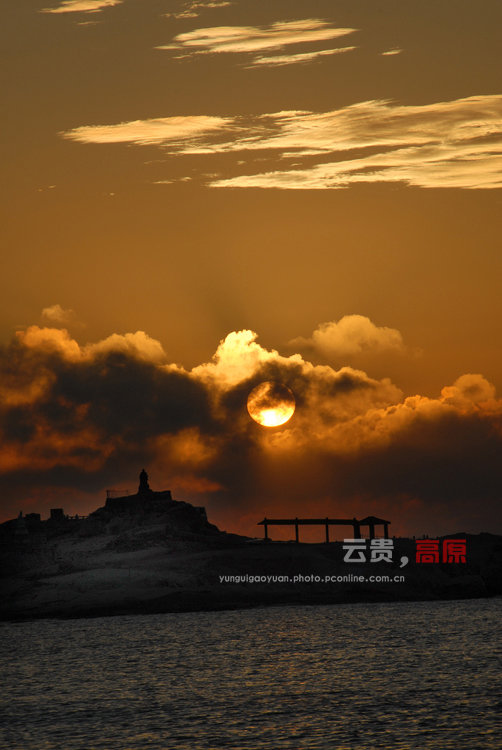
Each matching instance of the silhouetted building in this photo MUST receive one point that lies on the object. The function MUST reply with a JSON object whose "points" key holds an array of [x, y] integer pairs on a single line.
{"points": [[21, 531], [144, 487], [180, 517], [145, 499], [369, 521], [29, 535]]}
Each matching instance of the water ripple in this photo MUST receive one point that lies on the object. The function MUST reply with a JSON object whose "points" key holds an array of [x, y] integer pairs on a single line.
{"points": [[347, 677]]}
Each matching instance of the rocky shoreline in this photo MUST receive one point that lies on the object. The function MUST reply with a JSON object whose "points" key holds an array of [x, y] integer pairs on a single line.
{"points": [[143, 570]]}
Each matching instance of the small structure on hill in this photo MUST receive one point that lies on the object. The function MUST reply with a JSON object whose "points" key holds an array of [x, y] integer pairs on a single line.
{"points": [[145, 498], [124, 513], [57, 515], [144, 487], [180, 517], [370, 521], [20, 530]]}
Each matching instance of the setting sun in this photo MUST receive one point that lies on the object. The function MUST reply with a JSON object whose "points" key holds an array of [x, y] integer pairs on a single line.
{"points": [[271, 404]]}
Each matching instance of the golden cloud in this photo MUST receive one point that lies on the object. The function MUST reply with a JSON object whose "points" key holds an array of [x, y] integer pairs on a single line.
{"points": [[59, 341], [193, 9], [237, 358], [50, 340], [82, 6], [300, 57], [253, 39], [154, 131], [352, 334], [445, 144]]}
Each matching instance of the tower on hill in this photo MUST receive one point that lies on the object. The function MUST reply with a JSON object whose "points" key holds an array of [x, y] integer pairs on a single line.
{"points": [[144, 487], [144, 500]]}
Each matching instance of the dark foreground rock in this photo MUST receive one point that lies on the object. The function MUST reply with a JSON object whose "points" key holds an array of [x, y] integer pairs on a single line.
{"points": [[140, 568]]}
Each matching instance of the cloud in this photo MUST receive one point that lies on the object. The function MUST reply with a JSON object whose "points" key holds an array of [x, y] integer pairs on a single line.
{"points": [[66, 406], [82, 6], [176, 131], [138, 345], [454, 144], [470, 166], [237, 358], [467, 390], [353, 334], [57, 315], [280, 60], [391, 52], [255, 39], [50, 340], [85, 417], [446, 144], [193, 9]]}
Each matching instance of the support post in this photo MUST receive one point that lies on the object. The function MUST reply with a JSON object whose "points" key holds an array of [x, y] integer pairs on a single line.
{"points": [[296, 531], [357, 529], [386, 530], [327, 531], [265, 526], [372, 530]]}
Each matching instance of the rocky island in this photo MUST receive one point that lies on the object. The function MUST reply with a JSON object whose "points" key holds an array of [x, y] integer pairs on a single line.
{"points": [[146, 552]]}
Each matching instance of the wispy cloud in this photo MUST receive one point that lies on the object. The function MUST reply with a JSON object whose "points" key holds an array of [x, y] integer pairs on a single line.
{"points": [[176, 131], [57, 315], [467, 166], [444, 144], [255, 39], [194, 9], [302, 57], [82, 6], [390, 52]]}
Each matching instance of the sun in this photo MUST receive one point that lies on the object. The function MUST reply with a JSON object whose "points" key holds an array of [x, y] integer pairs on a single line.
{"points": [[271, 404]]}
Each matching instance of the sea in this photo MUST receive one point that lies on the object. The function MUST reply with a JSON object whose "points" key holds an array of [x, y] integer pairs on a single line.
{"points": [[424, 675]]}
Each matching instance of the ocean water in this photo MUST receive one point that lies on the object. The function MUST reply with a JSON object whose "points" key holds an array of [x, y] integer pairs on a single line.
{"points": [[360, 676]]}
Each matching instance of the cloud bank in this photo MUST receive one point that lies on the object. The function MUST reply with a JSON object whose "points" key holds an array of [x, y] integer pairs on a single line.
{"points": [[454, 144], [78, 418]]}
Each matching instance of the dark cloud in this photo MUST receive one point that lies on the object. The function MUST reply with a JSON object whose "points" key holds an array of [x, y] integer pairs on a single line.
{"points": [[75, 420]]}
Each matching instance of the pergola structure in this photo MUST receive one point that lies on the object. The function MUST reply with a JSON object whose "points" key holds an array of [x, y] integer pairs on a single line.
{"points": [[370, 521]]}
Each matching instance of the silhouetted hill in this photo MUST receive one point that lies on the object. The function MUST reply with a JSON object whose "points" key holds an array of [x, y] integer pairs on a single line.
{"points": [[170, 558]]}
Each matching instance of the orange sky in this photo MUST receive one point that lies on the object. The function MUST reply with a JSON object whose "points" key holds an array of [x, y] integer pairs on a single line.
{"points": [[325, 174]]}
